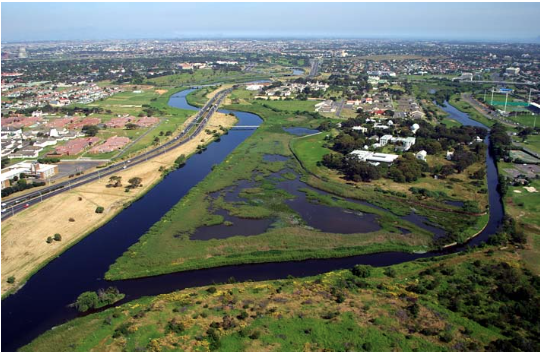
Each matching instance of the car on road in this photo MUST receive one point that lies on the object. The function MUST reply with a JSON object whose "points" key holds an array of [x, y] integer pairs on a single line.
{"points": [[4, 210], [26, 205]]}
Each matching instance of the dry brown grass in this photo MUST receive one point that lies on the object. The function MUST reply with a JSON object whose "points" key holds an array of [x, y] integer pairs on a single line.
{"points": [[23, 236]]}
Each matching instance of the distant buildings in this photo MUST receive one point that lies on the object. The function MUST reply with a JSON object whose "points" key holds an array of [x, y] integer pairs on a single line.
{"points": [[76, 146], [29, 169], [112, 144], [512, 70]]}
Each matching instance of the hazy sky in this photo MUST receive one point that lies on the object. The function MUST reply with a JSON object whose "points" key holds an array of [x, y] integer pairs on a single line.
{"points": [[453, 21]]}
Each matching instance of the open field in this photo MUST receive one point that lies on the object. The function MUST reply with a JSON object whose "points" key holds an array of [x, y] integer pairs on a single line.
{"points": [[290, 105], [205, 76], [24, 249], [522, 204], [440, 304], [167, 246], [531, 143]]}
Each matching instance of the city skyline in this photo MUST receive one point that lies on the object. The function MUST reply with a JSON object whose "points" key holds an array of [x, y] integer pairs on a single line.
{"points": [[498, 22]]}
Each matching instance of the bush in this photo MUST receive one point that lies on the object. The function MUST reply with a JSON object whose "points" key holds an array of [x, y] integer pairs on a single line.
{"points": [[57, 237], [49, 240], [390, 271], [72, 219], [86, 301], [11, 279], [362, 271], [99, 209]]}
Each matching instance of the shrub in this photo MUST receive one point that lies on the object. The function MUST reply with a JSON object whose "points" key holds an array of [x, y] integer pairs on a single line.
{"points": [[72, 219], [362, 271], [99, 209], [11, 279], [57, 237], [390, 271], [211, 290], [86, 301], [49, 240]]}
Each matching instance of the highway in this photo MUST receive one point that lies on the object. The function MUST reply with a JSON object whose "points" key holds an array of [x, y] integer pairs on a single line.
{"points": [[19, 204]]}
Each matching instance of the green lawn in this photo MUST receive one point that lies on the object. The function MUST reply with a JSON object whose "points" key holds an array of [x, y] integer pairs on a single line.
{"points": [[450, 122], [290, 105], [205, 76]]}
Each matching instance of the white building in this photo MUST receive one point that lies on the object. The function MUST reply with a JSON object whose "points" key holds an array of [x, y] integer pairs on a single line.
{"points": [[414, 128], [367, 156], [512, 70], [421, 155], [360, 128]]}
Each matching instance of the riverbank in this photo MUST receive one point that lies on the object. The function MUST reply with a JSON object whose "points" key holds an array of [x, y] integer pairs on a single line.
{"points": [[24, 247], [417, 306]]}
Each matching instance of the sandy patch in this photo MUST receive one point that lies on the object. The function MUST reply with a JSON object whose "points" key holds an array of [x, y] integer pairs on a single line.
{"points": [[517, 191], [161, 91], [23, 236], [530, 189]]}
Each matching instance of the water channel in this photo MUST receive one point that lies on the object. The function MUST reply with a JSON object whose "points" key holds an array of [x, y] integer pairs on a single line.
{"points": [[42, 302]]}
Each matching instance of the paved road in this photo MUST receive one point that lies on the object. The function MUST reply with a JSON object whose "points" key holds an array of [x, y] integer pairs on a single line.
{"points": [[314, 69], [19, 204], [340, 107]]}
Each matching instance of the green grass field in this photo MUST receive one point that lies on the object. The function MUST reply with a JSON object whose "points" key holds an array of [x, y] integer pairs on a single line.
{"points": [[290, 105], [205, 76]]}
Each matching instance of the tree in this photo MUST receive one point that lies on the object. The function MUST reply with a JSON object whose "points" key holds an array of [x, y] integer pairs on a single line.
{"points": [[11, 279], [360, 171], [90, 130], [86, 301], [131, 126], [49, 240], [57, 237], [115, 181], [135, 182], [99, 209]]}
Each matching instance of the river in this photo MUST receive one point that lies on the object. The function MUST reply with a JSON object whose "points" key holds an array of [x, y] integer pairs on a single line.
{"points": [[43, 301]]}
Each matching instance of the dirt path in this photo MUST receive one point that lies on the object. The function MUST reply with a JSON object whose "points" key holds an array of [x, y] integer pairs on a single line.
{"points": [[24, 247]]}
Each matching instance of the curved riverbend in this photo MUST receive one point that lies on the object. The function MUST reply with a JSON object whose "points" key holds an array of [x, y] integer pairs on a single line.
{"points": [[43, 301]]}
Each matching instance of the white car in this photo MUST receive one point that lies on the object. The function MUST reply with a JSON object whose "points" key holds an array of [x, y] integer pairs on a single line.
{"points": [[4, 210]]}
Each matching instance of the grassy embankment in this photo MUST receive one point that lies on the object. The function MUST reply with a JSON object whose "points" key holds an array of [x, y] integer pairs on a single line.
{"points": [[455, 303], [167, 246], [24, 250], [465, 107]]}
